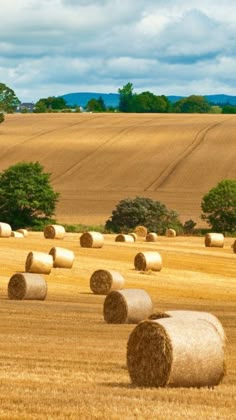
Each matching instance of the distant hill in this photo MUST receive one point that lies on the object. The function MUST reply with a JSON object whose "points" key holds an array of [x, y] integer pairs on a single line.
{"points": [[112, 99]]}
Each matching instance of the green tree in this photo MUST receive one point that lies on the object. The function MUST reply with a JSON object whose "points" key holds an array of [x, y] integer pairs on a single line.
{"points": [[126, 98], [50, 103], [1, 117], [229, 109], [130, 213], [192, 104], [8, 99], [26, 195], [219, 207], [96, 105], [148, 102]]}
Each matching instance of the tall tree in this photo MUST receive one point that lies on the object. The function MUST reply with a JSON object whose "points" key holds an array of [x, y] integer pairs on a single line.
{"points": [[192, 104], [96, 105], [50, 103], [126, 98], [8, 99]]}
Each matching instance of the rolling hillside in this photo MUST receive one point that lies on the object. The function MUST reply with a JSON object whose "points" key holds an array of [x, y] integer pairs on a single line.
{"points": [[98, 159]]}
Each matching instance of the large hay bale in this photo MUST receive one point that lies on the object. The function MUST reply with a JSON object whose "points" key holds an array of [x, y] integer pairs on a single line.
{"points": [[175, 352], [5, 230], [127, 306], [192, 315], [214, 240], [27, 286], [38, 262], [234, 246], [92, 240], [135, 236], [104, 281], [23, 231], [124, 238], [171, 233], [16, 234], [151, 237], [62, 258], [149, 260], [54, 232], [141, 231]]}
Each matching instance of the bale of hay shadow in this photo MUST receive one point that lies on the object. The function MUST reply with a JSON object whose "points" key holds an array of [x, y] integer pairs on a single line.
{"points": [[38, 262], [125, 238], [24, 232], [214, 240], [149, 260], [27, 286], [192, 315], [170, 233], [62, 258], [104, 281], [141, 231], [175, 352], [151, 237], [54, 232], [92, 240], [5, 230], [16, 234], [127, 306]]}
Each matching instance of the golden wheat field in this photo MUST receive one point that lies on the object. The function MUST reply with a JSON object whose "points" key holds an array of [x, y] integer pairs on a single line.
{"points": [[58, 357], [98, 159]]}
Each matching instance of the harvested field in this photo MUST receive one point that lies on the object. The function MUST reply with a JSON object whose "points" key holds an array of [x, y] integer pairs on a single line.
{"points": [[59, 359], [186, 156]]}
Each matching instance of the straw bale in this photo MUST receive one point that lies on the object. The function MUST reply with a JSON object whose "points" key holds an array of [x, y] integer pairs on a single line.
{"points": [[171, 233], [135, 236], [192, 315], [5, 230], [38, 262], [104, 281], [214, 240], [23, 231], [127, 306], [151, 237], [16, 234], [54, 232], [141, 231], [234, 246], [149, 260], [62, 258], [175, 352], [27, 286], [91, 240], [125, 238]]}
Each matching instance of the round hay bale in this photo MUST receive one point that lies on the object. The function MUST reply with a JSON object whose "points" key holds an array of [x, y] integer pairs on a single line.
{"points": [[234, 246], [5, 230], [15, 234], [171, 233], [134, 235], [54, 232], [104, 281], [92, 240], [127, 306], [124, 238], [38, 262], [149, 260], [214, 240], [141, 231], [27, 286], [62, 258], [23, 231], [192, 315], [175, 352], [151, 237]]}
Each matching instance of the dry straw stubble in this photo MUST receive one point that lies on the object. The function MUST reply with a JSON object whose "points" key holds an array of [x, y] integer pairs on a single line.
{"points": [[38, 262], [5, 230], [104, 281], [27, 286], [214, 240], [54, 232], [149, 260], [127, 306], [62, 258], [175, 352], [92, 240]]}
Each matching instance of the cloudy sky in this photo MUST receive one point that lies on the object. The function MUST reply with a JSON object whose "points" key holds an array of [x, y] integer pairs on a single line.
{"points": [[170, 47]]}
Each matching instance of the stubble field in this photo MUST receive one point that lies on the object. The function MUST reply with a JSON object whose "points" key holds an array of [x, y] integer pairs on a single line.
{"points": [[58, 357]]}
